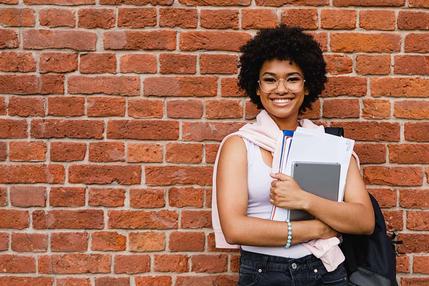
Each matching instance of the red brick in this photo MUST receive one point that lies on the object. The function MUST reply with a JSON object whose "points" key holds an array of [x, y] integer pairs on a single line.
{"points": [[8, 39], [361, 42], [196, 219], [210, 263], [278, 3], [186, 241], [143, 219], [338, 64], [377, 20], [54, 18], [97, 63], [143, 129], [412, 65], [131, 264], [418, 220], [136, 2], [26, 106], [59, 128], [367, 3], [136, 17], [140, 40], [218, 64], [304, 18], [414, 281], [393, 176], [17, 62], [149, 153], [68, 219], [59, 2], [414, 198], [371, 131], [177, 64], [417, 131], [110, 85], [402, 264], [105, 174], [180, 86], [341, 108], [153, 281], [66, 106], [184, 108], [386, 198], [251, 111], [14, 219], [416, 43], [74, 263], [215, 2], [338, 19], [31, 84], [229, 88], [418, 3], [213, 41], [394, 220], [258, 19], [3, 198], [399, 87], [370, 153], [29, 242], [184, 153], [28, 196], [67, 151], [234, 263], [26, 281], [219, 19], [138, 63], [17, 264], [345, 86], [171, 175], [321, 38], [420, 264], [372, 64], [3, 107], [112, 281], [220, 109], [105, 106], [31, 174], [413, 243], [74, 282], [17, 17], [376, 109], [412, 109], [96, 18], [69, 241], [108, 241], [147, 241], [145, 108], [27, 151], [52, 39], [106, 197], [221, 280], [67, 197], [216, 131], [186, 197], [106, 152], [171, 263], [413, 20], [147, 198], [178, 17], [58, 62]]}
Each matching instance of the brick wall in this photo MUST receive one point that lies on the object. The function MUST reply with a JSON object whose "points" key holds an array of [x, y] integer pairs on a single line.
{"points": [[111, 112]]}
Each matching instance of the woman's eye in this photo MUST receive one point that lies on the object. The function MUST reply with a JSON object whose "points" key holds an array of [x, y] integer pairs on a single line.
{"points": [[269, 80], [294, 79]]}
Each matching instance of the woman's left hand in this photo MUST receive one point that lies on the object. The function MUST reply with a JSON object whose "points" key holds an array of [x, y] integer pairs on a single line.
{"points": [[286, 193]]}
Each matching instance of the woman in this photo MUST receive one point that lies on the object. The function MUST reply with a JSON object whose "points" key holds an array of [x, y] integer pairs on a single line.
{"points": [[283, 72]]}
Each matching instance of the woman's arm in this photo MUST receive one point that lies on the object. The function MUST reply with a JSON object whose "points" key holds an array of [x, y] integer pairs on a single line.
{"points": [[232, 200], [355, 215]]}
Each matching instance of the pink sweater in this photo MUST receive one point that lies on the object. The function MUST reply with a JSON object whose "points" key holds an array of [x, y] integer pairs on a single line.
{"points": [[266, 134]]}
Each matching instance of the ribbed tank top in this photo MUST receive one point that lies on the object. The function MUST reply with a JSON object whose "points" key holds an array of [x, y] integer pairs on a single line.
{"points": [[259, 183]]}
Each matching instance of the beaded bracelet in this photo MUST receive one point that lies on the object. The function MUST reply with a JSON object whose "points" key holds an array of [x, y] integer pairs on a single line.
{"points": [[289, 234]]}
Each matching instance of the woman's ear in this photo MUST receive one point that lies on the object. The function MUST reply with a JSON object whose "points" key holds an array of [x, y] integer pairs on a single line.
{"points": [[306, 92]]}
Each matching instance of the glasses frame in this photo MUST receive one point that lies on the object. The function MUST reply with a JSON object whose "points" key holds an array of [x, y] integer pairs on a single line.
{"points": [[285, 85]]}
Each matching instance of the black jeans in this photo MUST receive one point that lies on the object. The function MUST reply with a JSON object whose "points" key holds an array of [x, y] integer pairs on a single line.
{"points": [[266, 270]]}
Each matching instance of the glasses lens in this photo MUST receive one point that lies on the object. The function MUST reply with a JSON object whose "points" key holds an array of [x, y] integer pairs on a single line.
{"points": [[293, 84]]}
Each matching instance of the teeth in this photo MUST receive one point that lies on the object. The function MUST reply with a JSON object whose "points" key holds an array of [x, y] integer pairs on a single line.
{"points": [[281, 100]]}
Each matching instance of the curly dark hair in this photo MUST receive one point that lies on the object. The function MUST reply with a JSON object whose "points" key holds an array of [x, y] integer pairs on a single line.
{"points": [[283, 43]]}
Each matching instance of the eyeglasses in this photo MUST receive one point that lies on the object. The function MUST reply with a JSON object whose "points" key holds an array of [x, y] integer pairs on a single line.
{"points": [[293, 83]]}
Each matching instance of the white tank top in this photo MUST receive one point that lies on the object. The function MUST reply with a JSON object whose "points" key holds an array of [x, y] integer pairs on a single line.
{"points": [[259, 183]]}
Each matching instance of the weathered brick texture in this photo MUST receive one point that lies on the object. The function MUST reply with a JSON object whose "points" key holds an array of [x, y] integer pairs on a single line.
{"points": [[112, 111]]}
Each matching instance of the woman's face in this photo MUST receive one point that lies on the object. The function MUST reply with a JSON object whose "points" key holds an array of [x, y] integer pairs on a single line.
{"points": [[281, 90]]}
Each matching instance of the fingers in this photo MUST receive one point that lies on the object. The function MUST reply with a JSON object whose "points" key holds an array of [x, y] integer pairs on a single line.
{"points": [[280, 176]]}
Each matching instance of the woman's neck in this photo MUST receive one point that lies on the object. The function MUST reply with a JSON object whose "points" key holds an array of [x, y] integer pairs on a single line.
{"points": [[286, 123]]}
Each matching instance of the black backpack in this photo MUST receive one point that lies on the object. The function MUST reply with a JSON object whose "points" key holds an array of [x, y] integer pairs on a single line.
{"points": [[370, 259]]}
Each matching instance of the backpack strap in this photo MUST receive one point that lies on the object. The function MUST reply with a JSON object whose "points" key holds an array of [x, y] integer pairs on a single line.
{"points": [[338, 131]]}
